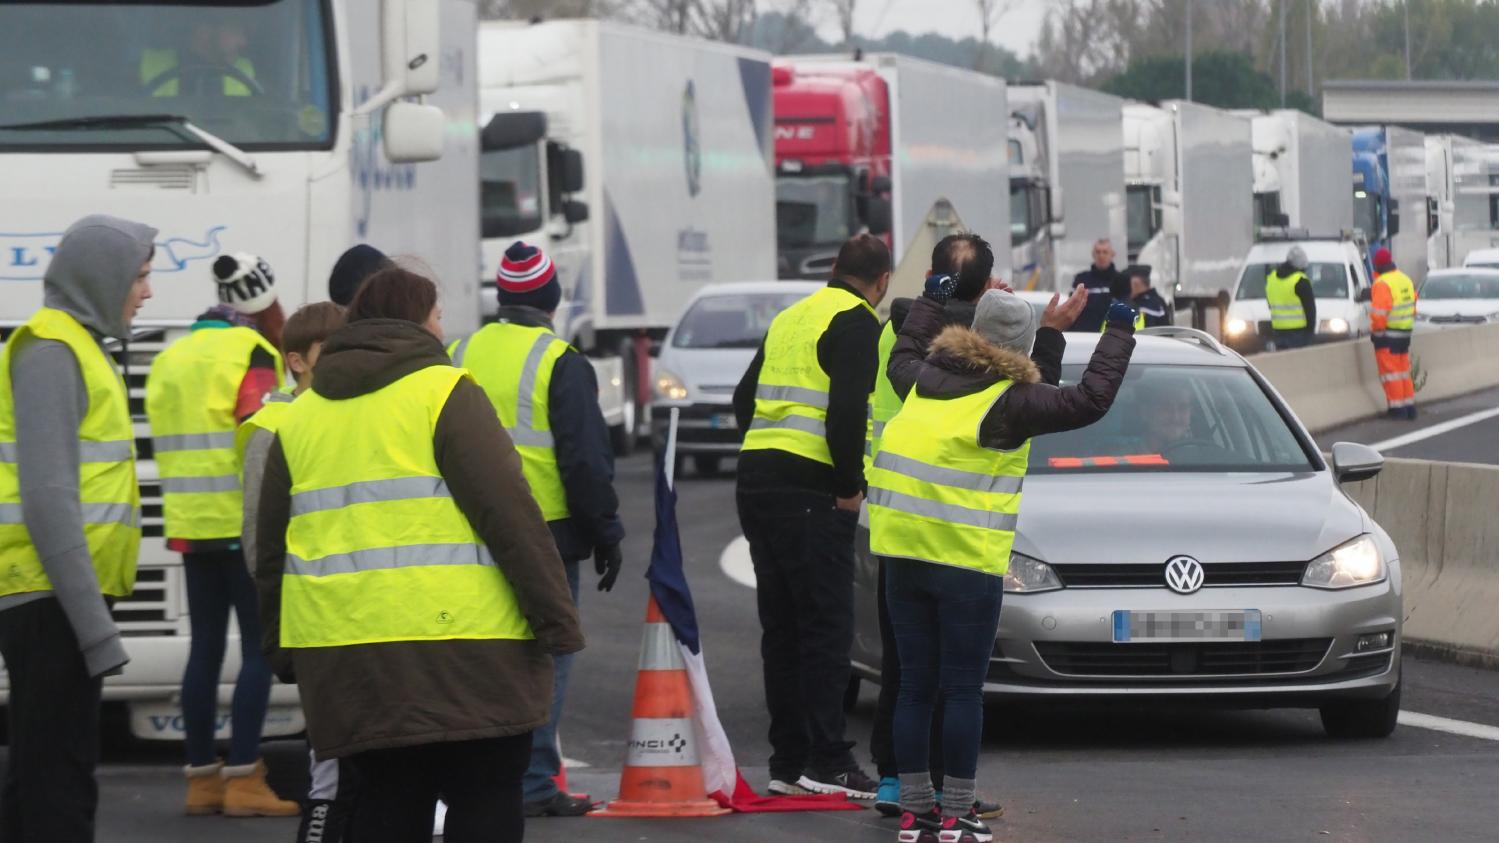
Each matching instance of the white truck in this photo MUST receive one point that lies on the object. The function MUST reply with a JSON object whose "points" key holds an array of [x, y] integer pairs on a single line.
{"points": [[310, 144], [642, 163], [1189, 170], [1067, 189], [1299, 162], [1462, 199]]}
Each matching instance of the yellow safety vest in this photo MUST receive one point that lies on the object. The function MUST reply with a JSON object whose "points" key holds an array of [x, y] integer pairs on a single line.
{"points": [[1139, 322], [939, 496], [377, 550], [1402, 317], [191, 394], [108, 493], [884, 402], [791, 401], [267, 418], [155, 62], [514, 365], [1286, 312]]}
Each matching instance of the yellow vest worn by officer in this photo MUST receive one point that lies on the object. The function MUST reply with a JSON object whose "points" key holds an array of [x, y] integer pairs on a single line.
{"points": [[377, 550], [1139, 321], [191, 395], [514, 365], [1286, 312], [884, 402], [110, 498], [156, 62], [791, 401], [936, 494], [1402, 317]]}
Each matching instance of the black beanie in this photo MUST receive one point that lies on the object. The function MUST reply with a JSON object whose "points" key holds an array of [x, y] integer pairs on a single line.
{"points": [[352, 267]]}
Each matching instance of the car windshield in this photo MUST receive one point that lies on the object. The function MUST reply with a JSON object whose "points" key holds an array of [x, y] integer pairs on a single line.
{"points": [[510, 191], [812, 210], [1460, 287], [731, 321], [256, 75], [1329, 280], [1177, 419]]}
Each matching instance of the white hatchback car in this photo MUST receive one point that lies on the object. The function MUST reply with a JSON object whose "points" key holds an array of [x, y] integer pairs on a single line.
{"points": [[1451, 298]]}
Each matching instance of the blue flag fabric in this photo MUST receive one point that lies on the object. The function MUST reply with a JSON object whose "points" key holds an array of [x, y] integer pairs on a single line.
{"points": [[668, 580]]}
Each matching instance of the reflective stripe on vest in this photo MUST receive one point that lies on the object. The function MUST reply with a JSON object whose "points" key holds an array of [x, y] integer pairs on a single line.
{"points": [[108, 493], [191, 394], [1286, 312], [791, 400], [377, 549], [514, 364], [884, 402], [1402, 316], [936, 494]]}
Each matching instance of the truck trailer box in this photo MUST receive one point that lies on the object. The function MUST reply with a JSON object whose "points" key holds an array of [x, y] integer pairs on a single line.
{"points": [[1304, 160]]}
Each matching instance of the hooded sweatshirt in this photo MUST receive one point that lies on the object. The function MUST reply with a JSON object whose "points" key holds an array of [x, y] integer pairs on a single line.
{"points": [[89, 278], [404, 693]]}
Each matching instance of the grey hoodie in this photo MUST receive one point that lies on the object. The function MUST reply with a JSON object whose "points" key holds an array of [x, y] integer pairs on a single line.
{"points": [[89, 278]]}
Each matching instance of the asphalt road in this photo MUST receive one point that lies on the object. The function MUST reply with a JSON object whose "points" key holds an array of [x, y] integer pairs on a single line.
{"points": [[1063, 773], [1475, 441]]}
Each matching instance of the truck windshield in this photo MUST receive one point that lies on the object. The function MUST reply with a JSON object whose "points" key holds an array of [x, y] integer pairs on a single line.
{"points": [[1329, 280], [510, 191], [813, 210], [1366, 214], [731, 321], [257, 75]]}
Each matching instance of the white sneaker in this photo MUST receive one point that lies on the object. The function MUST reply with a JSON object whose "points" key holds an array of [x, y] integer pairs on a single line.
{"points": [[439, 819], [780, 788]]}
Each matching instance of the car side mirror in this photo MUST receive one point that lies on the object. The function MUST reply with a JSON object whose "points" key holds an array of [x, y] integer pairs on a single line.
{"points": [[1364, 294], [574, 211], [1352, 462]]}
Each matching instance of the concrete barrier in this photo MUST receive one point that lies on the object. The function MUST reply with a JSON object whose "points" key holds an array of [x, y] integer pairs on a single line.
{"points": [[1440, 516], [1334, 384]]}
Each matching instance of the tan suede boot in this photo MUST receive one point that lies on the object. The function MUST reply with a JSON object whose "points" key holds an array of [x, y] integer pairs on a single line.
{"points": [[205, 789], [247, 795]]}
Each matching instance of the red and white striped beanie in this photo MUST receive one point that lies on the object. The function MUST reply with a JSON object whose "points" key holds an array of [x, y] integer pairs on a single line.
{"points": [[528, 278]]}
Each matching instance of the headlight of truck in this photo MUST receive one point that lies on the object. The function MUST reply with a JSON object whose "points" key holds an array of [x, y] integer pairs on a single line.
{"points": [[669, 386], [1028, 576], [1358, 562], [1237, 327], [1336, 325]]}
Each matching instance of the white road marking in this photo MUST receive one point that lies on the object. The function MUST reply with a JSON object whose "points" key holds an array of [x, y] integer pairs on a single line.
{"points": [[1435, 430], [735, 562], [1444, 724], [574, 764]]}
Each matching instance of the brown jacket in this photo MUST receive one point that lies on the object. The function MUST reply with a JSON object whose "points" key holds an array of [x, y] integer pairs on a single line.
{"points": [[379, 696]]}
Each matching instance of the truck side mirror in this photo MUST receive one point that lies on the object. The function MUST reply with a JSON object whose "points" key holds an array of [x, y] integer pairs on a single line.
{"points": [[574, 211], [409, 51], [880, 185], [1394, 217], [879, 216], [413, 132], [572, 171]]}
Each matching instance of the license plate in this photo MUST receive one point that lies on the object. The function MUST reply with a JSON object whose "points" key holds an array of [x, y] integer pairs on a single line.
{"points": [[1168, 627], [162, 721], [723, 421]]}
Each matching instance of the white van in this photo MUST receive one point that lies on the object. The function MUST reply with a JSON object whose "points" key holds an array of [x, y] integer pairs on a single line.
{"points": [[1340, 283]]}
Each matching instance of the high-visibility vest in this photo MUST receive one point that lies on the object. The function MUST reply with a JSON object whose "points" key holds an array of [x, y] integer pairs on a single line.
{"points": [[155, 62], [191, 395], [109, 496], [377, 550], [267, 418], [791, 401], [1401, 319], [936, 494], [1286, 312], [514, 365], [884, 402]]}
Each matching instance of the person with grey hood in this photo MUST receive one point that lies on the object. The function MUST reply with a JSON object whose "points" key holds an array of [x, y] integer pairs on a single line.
{"points": [[944, 499], [69, 523]]}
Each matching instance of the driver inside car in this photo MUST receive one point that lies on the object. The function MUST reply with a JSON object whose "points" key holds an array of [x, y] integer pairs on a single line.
{"points": [[214, 62]]}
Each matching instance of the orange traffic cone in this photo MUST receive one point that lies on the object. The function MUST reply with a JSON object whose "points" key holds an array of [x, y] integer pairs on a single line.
{"points": [[662, 776]]}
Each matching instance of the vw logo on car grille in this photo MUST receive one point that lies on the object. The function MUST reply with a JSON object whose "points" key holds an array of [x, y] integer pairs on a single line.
{"points": [[1183, 574]]}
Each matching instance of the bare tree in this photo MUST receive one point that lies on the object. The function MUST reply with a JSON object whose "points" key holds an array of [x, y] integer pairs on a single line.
{"points": [[991, 12], [721, 20], [845, 11], [551, 9], [799, 20]]}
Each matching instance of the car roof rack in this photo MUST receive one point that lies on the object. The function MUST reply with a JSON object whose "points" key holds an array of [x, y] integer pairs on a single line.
{"points": [[1179, 332]]}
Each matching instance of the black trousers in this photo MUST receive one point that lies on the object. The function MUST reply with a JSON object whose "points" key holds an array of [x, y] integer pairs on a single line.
{"points": [[882, 734], [480, 780], [1300, 338], [49, 791], [802, 547]]}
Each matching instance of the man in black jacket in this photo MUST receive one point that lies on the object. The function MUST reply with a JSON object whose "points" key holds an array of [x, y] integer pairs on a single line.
{"points": [[1145, 299], [804, 403], [1104, 284]]}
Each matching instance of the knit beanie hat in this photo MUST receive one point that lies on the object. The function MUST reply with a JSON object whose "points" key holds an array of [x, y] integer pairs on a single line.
{"points": [[1006, 320], [1383, 260], [245, 282], [350, 270], [527, 278]]}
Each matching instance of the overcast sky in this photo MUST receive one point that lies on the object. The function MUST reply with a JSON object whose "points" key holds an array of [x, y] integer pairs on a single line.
{"points": [[954, 18]]}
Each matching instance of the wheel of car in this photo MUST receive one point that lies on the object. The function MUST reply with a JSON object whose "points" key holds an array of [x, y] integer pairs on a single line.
{"points": [[1362, 718], [851, 693], [706, 464], [623, 435]]}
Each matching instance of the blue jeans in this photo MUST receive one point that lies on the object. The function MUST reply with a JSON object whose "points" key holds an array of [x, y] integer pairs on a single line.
{"points": [[546, 761], [217, 583], [945, 619]]}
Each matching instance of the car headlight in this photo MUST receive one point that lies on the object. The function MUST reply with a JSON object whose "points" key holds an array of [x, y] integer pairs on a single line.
{"points": [[1358, 562], [1028, 576], [1337, 325], [669, 386], [1237, 327]]}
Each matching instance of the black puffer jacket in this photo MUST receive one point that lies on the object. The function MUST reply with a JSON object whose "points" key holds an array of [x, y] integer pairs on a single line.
{"points": [[961, 362]]}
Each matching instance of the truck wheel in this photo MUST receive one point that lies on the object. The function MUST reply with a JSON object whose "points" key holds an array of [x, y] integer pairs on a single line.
{"points": [[623, 435], [1362, 718]]}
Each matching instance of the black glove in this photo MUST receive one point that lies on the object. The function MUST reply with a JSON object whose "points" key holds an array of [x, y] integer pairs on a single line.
{"points": [[1121, 315], [940, 288], [607, 562]]}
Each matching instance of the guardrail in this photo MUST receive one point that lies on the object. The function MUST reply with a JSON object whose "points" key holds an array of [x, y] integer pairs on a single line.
{"points": [[1334, 384], [1441, 518]]}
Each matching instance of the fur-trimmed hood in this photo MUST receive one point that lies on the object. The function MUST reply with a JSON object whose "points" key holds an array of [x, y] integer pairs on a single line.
{"points": [[964, 349]]}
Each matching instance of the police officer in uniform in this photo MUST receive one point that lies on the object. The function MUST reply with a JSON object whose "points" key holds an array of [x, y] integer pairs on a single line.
{"points": [[1293, 308]]}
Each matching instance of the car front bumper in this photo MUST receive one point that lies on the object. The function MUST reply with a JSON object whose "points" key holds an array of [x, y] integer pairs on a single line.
{"points": [[702, 427]]}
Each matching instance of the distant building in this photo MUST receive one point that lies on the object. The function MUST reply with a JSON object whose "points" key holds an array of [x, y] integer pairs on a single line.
{"points": [[1463, 108]]}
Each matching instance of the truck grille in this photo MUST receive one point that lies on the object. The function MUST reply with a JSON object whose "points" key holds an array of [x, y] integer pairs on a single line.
{"points": [[1153, 575], [1250, 658], [153, 608]]}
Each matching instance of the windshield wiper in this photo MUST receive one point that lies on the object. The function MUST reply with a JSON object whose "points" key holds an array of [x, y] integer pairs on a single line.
{"points": [[124, 121]]}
